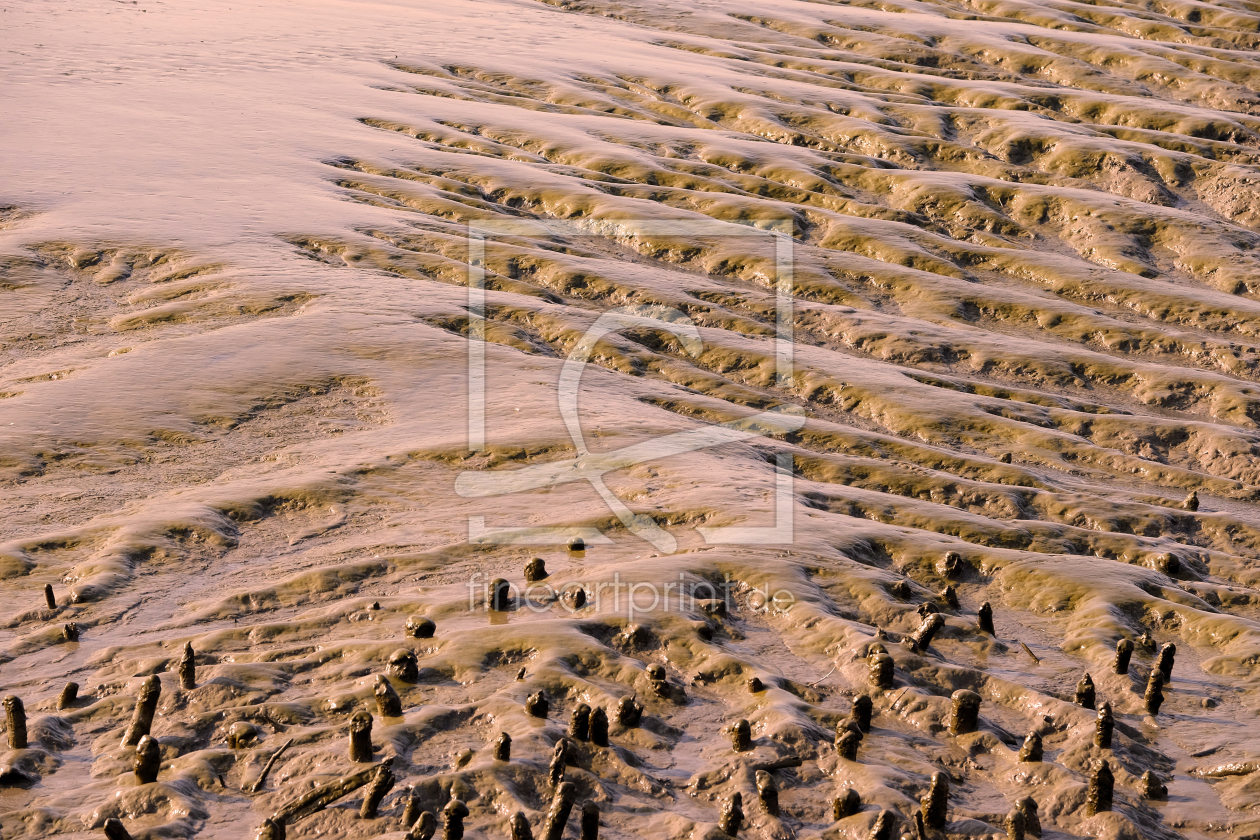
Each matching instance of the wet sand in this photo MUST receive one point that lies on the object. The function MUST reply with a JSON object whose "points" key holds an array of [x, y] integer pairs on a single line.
{"points": [[240, 300]]}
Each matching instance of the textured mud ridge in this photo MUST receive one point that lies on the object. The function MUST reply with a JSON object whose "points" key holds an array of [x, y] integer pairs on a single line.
{"points": [[1026, 313]]}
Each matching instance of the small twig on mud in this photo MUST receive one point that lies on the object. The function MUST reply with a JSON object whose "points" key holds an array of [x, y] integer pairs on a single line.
{"points": [[823, 677], [893, 707], [262, 779], [1035, 657]]}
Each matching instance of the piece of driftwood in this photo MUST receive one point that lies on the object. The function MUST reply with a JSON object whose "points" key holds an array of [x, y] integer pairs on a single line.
{"points": [[1032, 822], [382, 782], [883, 827], [361, 737], [984, 618], [1032, 749], [188, 668], [964, 712], [262, 777], [453, 816], [412, 809], [731, 818], [846, 805], [321, 797], [146, 707], [767, 793], [271, 830], [15, 722], [147, 762], [1124, 652], [860, 712], [590, 821], [520, 827], [424, 827], [558, 813], [1098, 797], [114, 829], [935, 805], [599, 727], [388, 703], [1086, 694]]}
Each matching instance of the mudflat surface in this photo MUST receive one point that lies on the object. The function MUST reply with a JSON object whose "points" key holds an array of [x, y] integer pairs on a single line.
{"points": [[261, 392]]}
